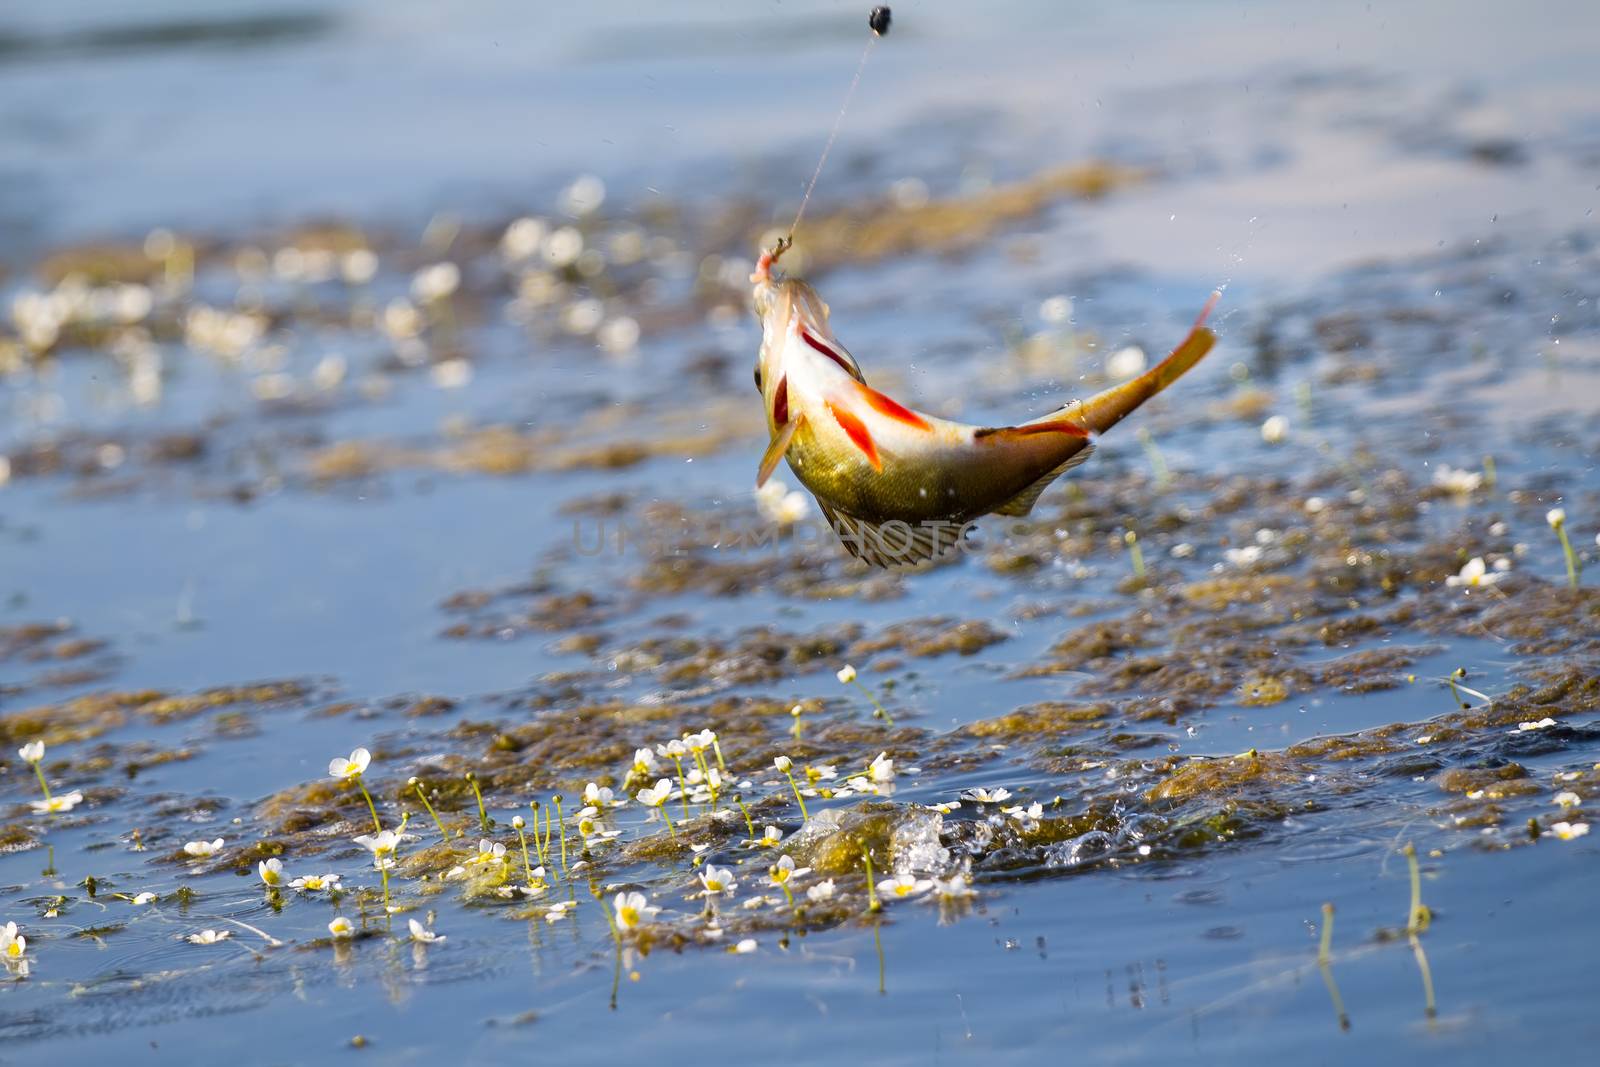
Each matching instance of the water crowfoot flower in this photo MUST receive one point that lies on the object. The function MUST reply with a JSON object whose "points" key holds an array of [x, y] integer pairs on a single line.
{"points": [[341, 928], [203, 849], [13, 946], [350, 769], [315, 883], [904, 885], [32, 754], [1474, 574], [422, 934], [782, 872], [987, 796], [633, 910], [784, 764], [847, 676], [1557, 518], [1569, 831], [656, 797], [717, 881], [210, 937], [56, 804], [1567, 799], [271, 872], [744, 947], [821, 891], [383, 846], [881, 770], [143, 898]]}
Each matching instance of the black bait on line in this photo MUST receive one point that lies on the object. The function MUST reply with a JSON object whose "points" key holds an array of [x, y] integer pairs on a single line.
{"points": [[879, 20]]}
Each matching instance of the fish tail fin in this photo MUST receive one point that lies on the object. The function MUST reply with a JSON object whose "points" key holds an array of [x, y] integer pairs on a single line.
{"points": [[1104, 410]]}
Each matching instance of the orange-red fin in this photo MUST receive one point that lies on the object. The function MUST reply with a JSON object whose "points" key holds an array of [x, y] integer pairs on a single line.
{"points": [[776, 450], [856, 430], [887, 405]]}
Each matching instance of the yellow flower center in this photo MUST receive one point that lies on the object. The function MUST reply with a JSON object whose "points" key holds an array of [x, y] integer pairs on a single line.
{"points": [[629, 916], [13, 949]]}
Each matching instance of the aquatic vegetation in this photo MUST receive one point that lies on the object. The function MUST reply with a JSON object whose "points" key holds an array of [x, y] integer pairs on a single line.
{"points": [[1557, 518]]}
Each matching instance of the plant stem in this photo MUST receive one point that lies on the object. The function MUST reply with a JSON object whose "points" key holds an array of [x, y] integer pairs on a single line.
{"points": [[1574, 568], [798, 799], [39, 771], [873, 903], [561, 824], [377, 827], [424, 798], [483, 816]]}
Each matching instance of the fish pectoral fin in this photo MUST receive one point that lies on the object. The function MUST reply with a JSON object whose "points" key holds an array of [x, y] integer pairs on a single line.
{"points": [[894, 544], [1023, 502], [775, 451]]}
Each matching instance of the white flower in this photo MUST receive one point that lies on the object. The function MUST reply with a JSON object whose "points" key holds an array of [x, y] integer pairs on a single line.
{"points": [[210, 937], [490, 853], [202, 849], [1475, 573], [382, 846], [556, 912], [882, 768], [1243, 557], [847, 674], [821, 891], [781, 505], [1568, 799], [955, 887], [1275, 431], [770, 837], [745, 947], [784, 869], [353, 767], [341, 928], [1126, 362], [315, 883], [143, 898], [435, 282], [1569, 831], [988, 796], [1540, 724], [717, 880], [422, 933], [599, 796], [674, 750], [1460, 482], [633, 910], [783, 763], [657, 795], [32, 752], [592, 829], [905, 885], [58, 803], [644, 761], [13, 946], [271, 872], [1556, 517], [1022, 814]]}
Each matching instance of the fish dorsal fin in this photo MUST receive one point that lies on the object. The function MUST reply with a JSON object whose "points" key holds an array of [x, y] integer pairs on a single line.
{"points": [[1023, 502], [892, 545], [776, 450]]}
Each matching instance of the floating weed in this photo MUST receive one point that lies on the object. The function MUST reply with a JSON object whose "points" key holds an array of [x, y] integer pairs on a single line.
{"points": [[784, 764], [416, 786], [847, 676], [1557, 518]]}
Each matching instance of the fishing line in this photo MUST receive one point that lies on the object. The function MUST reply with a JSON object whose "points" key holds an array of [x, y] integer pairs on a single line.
{"points": [[878, 21]]}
